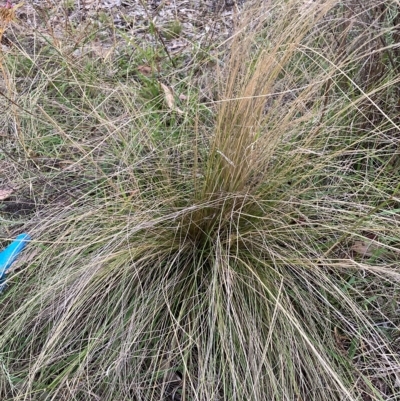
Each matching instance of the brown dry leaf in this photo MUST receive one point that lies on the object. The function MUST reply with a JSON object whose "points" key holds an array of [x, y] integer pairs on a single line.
{"points": [[145, 69], [364, 248], [5, 193], [169, 98]]}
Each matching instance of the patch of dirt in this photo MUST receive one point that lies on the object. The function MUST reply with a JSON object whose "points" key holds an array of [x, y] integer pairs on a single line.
{"points": [[198, 19]]}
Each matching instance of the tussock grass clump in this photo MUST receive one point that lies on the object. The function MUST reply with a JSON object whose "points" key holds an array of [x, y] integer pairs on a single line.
{"points": [[251, 258]]}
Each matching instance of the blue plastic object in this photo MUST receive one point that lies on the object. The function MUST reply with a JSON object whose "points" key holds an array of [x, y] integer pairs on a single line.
{"points": [[8, 256]]}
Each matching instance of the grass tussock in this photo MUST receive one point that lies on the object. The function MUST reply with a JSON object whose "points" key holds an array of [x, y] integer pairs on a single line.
{"points": [[241, 249]]}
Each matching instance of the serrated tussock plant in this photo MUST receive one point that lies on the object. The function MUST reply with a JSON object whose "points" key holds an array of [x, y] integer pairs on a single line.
{"points": [[254, 258]]}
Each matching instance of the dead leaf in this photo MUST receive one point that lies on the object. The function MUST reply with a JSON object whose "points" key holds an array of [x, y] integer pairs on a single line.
{"points": [[170, 99], [364, 248], [5, 193], [145, 69]]}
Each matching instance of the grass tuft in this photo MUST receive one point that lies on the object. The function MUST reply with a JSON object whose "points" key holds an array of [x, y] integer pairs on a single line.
{"points": [[240, 249]]}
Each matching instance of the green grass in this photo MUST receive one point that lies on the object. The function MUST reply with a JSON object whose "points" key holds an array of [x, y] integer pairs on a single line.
{"points": [[244, 248]]}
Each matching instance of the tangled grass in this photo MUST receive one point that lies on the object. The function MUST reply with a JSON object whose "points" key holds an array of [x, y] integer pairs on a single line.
{"points": [[247, 249]]}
